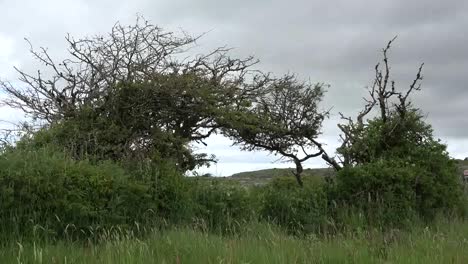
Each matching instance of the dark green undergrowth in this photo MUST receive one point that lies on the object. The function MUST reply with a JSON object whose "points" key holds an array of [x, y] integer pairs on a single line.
{"points": [[46, 195]]}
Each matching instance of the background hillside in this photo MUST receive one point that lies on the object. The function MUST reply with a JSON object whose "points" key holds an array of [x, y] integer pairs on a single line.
{"points": [[261, 177]]}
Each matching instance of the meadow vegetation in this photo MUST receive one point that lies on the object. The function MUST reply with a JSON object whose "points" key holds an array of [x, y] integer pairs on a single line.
{"points": [[103, 180]]}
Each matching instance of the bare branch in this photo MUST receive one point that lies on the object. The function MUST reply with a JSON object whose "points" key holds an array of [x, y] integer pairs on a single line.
{"points": [[383, 93]]}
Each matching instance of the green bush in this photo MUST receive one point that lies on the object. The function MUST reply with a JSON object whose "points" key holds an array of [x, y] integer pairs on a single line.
{"points": [[382, 191], [394, 192], [397, 170], [222, 207], [44, 191], [299, 210]]}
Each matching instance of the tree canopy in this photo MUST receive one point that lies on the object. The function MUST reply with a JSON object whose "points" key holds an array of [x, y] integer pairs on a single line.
{"points": [[141, 93], [285, 120], [133, 89]]}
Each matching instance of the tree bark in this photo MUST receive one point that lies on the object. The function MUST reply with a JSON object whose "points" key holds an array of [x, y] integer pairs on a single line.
{"points": [[298, 172]]}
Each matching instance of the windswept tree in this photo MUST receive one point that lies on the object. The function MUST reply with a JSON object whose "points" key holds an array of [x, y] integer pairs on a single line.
{"points": [[285, 120], [141, 80], [128, 54]]}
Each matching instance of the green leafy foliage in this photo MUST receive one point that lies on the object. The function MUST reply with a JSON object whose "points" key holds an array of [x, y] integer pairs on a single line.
{"points": [[223, 207], [383, 191], [120, 123], [139, 121], [44, 191], [286, 120], [394, 168], [402, 171], [299, 210], [397, 137]]}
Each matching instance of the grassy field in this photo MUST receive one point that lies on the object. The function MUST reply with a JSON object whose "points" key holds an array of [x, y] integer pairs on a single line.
{"points": [[442, 243]]}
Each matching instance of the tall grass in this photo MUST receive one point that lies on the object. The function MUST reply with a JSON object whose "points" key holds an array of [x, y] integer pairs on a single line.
{"points": [[445, 242]]}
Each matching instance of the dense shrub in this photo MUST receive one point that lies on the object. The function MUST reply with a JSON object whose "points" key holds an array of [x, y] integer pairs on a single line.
{"points": [[297, 209], [222, 206], [42, 189], [383, 191], [46, 190], [397, 169], [392, 192]]}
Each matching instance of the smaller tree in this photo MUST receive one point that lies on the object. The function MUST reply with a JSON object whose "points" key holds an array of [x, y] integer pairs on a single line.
{"points": [[363, 142], [395, 155], [286, 120]]}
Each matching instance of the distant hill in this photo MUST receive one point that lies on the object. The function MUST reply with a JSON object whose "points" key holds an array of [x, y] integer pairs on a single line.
{"points": [[261, 177]]}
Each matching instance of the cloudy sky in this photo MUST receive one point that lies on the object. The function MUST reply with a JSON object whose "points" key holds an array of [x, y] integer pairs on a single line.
{"points": [[336, 42]]}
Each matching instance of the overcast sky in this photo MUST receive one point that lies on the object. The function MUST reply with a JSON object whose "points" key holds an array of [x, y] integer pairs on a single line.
{"points": [[336, 42]]}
